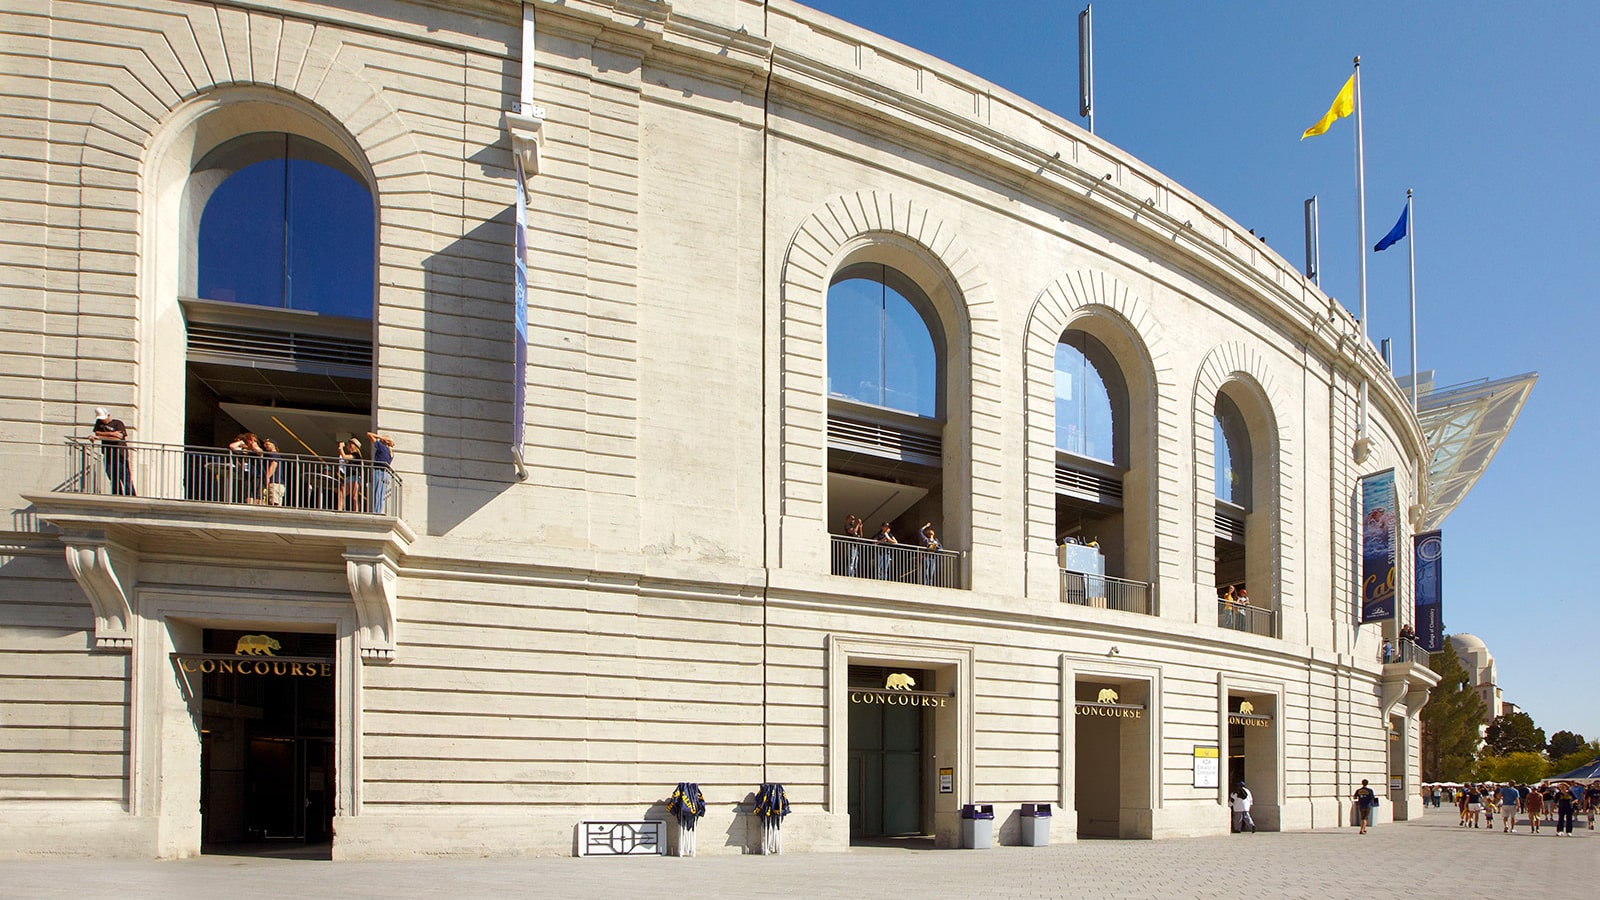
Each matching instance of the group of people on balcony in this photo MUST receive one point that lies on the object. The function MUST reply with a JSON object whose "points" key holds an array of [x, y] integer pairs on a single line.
{"points": [[1233, 607], [261, 474], [887, 563], [254, 471]]}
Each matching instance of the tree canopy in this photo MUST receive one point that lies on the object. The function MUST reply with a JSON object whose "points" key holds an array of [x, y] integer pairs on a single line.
{"points": [[1514, 733], [1522, 767], [1563, 743], [1450, 721]]}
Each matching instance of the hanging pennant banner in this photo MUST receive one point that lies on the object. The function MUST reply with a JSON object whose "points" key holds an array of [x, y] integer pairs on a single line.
{"points": [[1429, 558], [519, 353], [1377, 536]]}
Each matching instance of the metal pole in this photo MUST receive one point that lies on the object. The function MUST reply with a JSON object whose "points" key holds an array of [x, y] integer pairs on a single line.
{"points": [[1411, 245], [1361, 241], [1086, 64], [1313, 243]]}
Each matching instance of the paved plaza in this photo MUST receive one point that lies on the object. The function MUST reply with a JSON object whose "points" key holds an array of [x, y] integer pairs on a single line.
{"points": [[1427, 858]]}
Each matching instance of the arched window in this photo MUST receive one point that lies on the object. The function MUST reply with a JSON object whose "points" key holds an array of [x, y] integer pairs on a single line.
{"points": [[1099, 543], [883, 348], [1244, 555], [283, 222], [277, 275], [1086, 411], [886, 417], [1232, 441]]}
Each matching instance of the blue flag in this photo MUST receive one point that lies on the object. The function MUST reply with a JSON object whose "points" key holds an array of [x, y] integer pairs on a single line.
{"points": [[1395, 233]]}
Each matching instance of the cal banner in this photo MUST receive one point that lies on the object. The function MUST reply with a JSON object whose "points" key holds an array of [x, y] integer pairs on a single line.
{"points": [[1378, 523], [1428, 553]]}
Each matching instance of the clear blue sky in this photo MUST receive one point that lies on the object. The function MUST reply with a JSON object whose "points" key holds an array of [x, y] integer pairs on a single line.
{"points": [[1486, 110]]}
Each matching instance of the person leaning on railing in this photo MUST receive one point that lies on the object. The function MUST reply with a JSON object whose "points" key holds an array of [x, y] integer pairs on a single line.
{"points": [[930, 560], [382, 456], [885, 537], [113, 437]]}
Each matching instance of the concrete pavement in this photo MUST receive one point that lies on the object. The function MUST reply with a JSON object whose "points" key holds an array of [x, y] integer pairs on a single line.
{"points": [[1431, 857]]}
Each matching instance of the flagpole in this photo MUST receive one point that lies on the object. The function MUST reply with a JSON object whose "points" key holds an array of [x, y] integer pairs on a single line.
{"points": [[1361, 241], [1411, 245]]}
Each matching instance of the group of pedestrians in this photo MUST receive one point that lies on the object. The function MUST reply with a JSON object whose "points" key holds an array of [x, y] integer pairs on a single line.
{"points": [[1541, 803], [888, 564]]}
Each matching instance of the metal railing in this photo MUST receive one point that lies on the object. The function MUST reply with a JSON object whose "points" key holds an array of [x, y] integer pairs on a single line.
{"points": [[210, 475], [1404, 650], [1244, 617], [1106, 592], [861, 558]]}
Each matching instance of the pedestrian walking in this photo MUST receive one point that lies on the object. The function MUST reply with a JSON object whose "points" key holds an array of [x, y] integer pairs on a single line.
{"points": [[1240, 802], [1366, 802], [1508, 806], [1566, 806]]}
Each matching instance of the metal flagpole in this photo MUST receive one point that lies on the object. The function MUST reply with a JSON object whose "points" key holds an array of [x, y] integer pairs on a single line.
{"points": [[1086, 65], [1411, 245], [1361, 242]]}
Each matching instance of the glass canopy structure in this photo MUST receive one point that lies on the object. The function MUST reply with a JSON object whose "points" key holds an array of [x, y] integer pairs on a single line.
{"points": [[1465, 425]]}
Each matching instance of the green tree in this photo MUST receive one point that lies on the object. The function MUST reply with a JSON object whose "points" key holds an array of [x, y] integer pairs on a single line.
{"points": [[1563, 743], [1523, 767], [1582, 756], [1450, 720], [1515, 733]]}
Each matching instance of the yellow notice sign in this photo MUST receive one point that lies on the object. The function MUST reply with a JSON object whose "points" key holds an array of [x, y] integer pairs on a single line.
{"points": [[1207, 766]]}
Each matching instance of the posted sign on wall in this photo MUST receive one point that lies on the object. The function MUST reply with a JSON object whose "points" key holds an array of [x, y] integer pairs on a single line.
{"points": [[1207, 766]]}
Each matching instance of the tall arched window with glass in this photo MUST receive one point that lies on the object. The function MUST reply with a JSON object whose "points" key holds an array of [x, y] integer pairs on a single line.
{"points": [[1233, 460], [1092, 452], [277, 287], [886, 375]]}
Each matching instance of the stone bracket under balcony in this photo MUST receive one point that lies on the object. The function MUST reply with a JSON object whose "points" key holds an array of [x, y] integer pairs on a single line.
{"points": [[1408, 682], [105, 537]]}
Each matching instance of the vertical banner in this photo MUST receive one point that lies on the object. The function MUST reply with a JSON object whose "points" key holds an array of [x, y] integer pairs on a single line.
{"points": [[1429, 553], [519, 377], [1378, 523]]}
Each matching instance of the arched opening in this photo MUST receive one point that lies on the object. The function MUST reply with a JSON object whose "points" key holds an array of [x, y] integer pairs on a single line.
{"points": [[276, 286], [258, 290], [1243, 555], [886, 376], [1101, 547]]}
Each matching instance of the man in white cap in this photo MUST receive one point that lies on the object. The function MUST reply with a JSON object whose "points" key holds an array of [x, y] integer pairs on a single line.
{"points": [[113, 437]]}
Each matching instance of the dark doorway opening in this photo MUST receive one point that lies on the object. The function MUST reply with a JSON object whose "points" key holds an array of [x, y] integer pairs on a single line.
{"points": [[267, 770], [888, 776]]}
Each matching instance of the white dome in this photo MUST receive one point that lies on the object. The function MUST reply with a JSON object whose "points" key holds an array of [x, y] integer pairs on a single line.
{"points": [[1467, 642]]}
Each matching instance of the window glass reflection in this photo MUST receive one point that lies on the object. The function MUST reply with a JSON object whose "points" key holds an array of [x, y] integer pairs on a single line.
{"points": [[1085, 425], [880, 349], [288, 225]]}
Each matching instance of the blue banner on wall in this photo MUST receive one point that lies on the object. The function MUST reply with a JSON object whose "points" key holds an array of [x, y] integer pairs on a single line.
{"points": [[1429, 553], [1378, 526], [519, 354]]}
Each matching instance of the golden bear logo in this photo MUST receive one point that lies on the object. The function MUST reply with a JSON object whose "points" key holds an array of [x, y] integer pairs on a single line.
{"points": [[899, 681], [256, 645], [1108, 695], [1246, 708]]}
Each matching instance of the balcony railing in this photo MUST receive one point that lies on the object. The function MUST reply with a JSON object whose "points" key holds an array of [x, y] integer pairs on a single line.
{"points": [[1106, 592], [1404, 650], [861, 558], [1244, 617], [210, 475]]}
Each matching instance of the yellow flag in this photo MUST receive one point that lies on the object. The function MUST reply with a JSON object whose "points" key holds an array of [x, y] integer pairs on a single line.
{"points": [[1343, 105]]}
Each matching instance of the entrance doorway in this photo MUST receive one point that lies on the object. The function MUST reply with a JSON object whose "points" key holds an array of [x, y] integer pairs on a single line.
{"points": [[1112, 776], [267, 750], [888, 776], [1253, 754]]}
